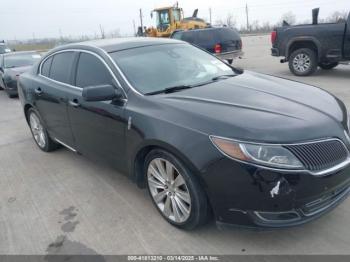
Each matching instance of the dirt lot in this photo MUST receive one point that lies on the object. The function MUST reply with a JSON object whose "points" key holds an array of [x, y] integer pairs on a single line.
{"points": [[61, 203]]}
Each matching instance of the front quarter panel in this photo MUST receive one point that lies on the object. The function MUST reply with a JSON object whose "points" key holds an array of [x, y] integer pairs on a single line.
{"points": [[24, 86], [148, 126]]}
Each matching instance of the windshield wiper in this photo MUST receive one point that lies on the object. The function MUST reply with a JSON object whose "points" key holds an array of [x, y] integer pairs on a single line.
{"points": [[223, 77], [182, 87], [171, 89]]}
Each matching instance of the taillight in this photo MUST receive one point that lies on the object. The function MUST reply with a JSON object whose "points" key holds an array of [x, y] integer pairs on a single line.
{"points": [[217, 49], [273, 37]]}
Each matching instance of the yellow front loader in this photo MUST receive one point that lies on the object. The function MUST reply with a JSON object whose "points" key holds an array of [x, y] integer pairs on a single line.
{"points": [[170, 19]]}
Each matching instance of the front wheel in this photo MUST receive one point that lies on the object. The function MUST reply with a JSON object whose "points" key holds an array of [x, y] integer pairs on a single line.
{"points": [[175, 191], [303, 62], [39, 132], [328, 66]]}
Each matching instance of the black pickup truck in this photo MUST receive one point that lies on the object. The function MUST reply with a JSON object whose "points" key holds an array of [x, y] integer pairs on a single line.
{"points": [[305, 47]]}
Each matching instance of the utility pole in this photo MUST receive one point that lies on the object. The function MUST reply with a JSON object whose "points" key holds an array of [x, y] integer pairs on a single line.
{"points": [[247, 13], [210, 15], [103, 36], [134, 24], [141, 21]]}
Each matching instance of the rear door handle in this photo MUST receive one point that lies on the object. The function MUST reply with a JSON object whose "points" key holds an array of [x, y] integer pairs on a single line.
{"points": [[38, 91], [74, 103]]}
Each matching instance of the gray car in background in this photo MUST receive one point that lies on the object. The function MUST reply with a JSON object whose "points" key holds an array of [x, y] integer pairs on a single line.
{"points": [[12, 65]]}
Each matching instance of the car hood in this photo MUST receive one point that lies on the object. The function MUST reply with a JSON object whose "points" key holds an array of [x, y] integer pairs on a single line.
{"points": [[258, 107]]}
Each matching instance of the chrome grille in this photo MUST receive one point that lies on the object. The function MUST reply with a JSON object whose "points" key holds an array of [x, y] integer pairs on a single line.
{"points": [[320, 155]]}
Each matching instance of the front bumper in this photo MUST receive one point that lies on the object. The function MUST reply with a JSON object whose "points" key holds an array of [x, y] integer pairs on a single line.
{"points": [[245, 195], [11, 87]]}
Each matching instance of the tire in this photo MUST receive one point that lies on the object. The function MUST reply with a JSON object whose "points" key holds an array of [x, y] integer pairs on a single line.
{"points": [[184, 195], [328, 66], [303, 62], [39, 132]]}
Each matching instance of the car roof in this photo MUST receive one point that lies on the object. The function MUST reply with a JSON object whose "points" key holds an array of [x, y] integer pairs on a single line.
{"points": [[118, 44], [206, 29]]}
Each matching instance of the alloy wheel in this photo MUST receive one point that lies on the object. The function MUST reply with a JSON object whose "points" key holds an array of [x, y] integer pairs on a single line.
{"points": [[169, 190], [302, 62], [37, 130]]}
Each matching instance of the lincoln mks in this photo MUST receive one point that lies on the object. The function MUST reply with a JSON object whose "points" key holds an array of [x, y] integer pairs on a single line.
{"points": [[206, 140]]}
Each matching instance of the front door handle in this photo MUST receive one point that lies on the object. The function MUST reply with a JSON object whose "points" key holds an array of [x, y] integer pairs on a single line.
{"points": [[74, 103], [38, 91]]}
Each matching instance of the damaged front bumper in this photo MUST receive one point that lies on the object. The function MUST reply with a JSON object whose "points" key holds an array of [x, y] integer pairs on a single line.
{"points": [[251, 196]]}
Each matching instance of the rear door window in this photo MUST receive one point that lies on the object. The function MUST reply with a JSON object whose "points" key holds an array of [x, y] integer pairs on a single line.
{"points": [[91, 72], [203, 38], [61, 67], [188, 37], [228, 35]]}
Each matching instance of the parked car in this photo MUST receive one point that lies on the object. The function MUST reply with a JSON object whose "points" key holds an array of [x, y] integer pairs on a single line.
{"points": [[4, 49], [224, 42], [305, 47], [12, 65], [200, 135]]}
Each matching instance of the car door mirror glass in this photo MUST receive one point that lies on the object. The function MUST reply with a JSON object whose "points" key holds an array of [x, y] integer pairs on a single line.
{"points": [[101, 93]]}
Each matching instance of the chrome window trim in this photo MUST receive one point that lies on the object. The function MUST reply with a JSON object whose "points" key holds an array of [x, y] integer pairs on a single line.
{"points": [[325, 172], [80, 51]]}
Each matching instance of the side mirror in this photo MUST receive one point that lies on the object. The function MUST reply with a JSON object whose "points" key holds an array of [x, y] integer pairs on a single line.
{"points": [[101, 93], [1, 69]]}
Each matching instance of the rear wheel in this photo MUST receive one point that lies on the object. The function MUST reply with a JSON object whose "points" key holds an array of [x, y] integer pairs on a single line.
{"points": [[303, 62], [40, 134], [174, 190], [328, 66]]}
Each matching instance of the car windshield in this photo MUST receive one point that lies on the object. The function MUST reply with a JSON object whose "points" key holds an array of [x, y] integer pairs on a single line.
{"points": [[155, 68], [18, 60]]}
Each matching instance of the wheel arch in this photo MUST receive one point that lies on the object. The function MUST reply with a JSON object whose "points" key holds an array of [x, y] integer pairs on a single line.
{"points": [[138, 158], [26, 109], [303, 42]]}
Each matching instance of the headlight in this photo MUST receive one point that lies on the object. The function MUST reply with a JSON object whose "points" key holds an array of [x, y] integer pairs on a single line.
{"points": [[268, 155]]}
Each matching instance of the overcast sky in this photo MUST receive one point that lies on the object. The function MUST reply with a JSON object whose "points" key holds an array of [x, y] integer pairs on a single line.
{"points": [[24, 19]]}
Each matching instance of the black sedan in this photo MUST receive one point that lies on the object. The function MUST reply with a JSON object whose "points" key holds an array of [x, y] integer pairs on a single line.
{"points": [[12, 65], [203, 137]]}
